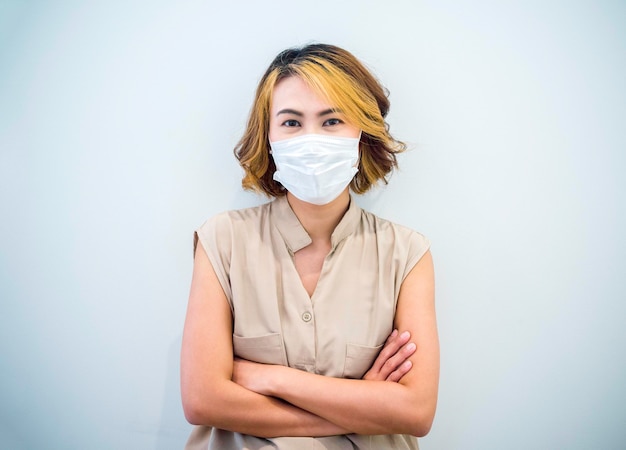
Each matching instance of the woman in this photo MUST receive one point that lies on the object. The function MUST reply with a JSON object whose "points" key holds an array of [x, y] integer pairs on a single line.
{"points": [[311, 323]]}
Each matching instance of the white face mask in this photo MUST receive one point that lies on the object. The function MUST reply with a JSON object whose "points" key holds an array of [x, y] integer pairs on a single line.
{"points": [[315, 168]]}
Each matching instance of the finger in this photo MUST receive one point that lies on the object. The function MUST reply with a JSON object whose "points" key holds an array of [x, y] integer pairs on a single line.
{"points": [[397, 359], [393, 345], [388, 352], [392, 336], [401, 371]]}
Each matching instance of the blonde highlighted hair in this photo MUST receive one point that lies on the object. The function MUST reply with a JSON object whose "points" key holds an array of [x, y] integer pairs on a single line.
{"points": [[339, 77]]}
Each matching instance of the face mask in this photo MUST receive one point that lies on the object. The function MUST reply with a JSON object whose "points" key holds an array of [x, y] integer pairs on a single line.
{"points": [[314, 167]]}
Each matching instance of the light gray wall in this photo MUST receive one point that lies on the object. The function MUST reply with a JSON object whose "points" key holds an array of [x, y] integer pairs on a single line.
{"points": [[117, 121]]}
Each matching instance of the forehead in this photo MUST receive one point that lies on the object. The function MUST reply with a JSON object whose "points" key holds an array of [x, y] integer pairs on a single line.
{"points": [[295, 93]]}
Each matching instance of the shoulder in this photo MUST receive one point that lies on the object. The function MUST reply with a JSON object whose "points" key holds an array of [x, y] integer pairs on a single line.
{"points": [[385, 228], [405, 244], [225, 221], [217, 231]]}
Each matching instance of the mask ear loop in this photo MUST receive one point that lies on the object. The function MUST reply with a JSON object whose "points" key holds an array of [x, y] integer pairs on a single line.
{"points": [[358, 160]]}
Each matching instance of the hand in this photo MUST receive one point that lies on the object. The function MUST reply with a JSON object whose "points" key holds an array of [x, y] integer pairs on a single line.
{"points": [[392, 362], [252, 376]]}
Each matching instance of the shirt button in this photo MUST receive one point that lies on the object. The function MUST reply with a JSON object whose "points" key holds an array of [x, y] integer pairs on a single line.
{"points": [[307, 316]]}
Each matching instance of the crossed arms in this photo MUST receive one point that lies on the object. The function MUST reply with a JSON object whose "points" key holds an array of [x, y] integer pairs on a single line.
{"points": [[397, 395]]}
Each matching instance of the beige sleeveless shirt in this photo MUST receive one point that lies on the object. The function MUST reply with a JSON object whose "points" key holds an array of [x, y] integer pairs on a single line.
{"points": [[336, 332]]}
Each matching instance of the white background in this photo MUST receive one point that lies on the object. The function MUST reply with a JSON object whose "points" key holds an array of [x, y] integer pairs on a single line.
{"points": [[117, 123]]}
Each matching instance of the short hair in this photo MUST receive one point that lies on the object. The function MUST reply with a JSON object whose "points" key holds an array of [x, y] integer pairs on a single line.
{"points": [[340, 78]]}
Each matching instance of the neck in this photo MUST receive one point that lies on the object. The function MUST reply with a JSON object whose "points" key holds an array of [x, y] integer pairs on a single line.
{"points": [[320, 221]]}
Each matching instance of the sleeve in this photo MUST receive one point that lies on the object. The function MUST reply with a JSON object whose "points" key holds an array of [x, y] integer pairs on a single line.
{"points": [[215, 235], [417, 245]]}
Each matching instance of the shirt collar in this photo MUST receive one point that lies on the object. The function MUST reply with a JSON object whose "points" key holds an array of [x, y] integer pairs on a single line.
{"points": [[295, 235]]}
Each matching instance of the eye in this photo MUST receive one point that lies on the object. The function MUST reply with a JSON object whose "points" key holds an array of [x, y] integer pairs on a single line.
{"points": [[291, 123], [332, 122]]}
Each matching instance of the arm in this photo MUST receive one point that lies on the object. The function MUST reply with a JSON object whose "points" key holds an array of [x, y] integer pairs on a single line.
{"points": [[365, 406], [209, 395]]}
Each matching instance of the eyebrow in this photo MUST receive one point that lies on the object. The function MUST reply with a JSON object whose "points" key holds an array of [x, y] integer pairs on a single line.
{"points": [[299, 114]]}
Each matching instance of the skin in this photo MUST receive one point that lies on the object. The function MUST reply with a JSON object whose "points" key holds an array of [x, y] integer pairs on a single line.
{"points": [[397, 395]]}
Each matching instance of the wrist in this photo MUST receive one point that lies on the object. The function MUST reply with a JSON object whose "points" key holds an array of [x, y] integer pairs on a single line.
{"points": [[275, 381]]}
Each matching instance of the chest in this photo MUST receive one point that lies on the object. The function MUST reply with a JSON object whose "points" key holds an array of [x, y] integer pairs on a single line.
{"points": [[309, 263], [320, 309]]}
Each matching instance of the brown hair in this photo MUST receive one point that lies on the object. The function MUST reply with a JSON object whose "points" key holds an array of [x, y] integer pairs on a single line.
{"points": [[338, 76]]}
